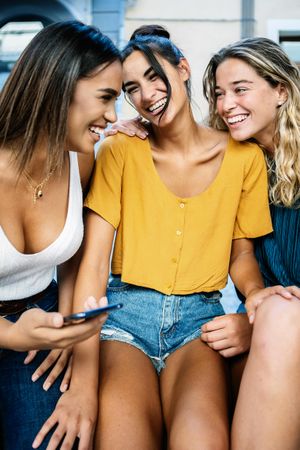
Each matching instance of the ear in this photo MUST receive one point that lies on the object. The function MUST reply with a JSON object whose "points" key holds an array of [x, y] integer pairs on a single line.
{"points": [[282, 94], [184, 69]]}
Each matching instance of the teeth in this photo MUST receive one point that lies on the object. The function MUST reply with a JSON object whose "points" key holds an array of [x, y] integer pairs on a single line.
{"points": [[157, 104], [96, 130], [236, 119]]}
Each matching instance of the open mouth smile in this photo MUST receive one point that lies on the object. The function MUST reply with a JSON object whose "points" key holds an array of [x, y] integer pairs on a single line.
{"points": [[237, 119], [158, 106], [96, 130]]}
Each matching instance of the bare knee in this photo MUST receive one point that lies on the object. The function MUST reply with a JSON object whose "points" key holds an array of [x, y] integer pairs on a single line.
{"points": [[276, 325], [194, 434]]}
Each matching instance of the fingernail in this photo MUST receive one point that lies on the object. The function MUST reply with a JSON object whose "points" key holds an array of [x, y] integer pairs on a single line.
{"points": [[46, 386], [35, 377], [34, 444], [64, 388]]}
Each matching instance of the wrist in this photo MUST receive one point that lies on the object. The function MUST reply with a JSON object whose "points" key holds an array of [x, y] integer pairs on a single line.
{"points": [[253, 290], [9, 336]]}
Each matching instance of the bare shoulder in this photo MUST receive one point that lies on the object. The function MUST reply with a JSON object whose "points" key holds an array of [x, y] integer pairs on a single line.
{"points": [[8, 170], [86, 164]]}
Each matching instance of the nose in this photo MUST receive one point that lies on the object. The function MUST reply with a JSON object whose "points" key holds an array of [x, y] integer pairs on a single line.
{"points": [[111, 114], [148, 93], [228, 102]]}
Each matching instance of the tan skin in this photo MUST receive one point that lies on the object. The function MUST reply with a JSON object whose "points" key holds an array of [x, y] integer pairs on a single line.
{"points": [[30, 228]]}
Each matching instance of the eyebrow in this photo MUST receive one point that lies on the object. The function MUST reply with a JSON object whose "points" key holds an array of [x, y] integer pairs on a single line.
{"points": [[237, 82], [109, 91], [130, 83]]}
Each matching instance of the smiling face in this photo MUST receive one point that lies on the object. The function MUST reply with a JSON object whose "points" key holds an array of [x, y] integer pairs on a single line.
{"points": [[93, 107], [147, 91], [247, 103]]}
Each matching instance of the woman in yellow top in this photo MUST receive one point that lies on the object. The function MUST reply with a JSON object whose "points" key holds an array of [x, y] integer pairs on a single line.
{"points": [[183, 204]]}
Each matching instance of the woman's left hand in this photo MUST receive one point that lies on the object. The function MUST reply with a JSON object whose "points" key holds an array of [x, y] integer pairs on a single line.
{"points": [[131, 127], [255, 299], [230, 335], [59, 359]]}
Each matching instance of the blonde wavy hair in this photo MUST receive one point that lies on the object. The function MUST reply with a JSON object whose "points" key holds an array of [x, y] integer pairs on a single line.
{"points": [[271, 63]]}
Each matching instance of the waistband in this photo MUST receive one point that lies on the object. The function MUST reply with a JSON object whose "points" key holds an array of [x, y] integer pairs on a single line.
{"points": [[19, 306]]}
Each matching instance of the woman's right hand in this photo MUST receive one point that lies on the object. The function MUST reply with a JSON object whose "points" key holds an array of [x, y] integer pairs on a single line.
{"points": [[132, 127], [74, 416], [37, 329]]}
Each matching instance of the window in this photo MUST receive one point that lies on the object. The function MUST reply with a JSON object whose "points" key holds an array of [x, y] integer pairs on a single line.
{"points": [[287, 34], [14, 37], [290, 42]]}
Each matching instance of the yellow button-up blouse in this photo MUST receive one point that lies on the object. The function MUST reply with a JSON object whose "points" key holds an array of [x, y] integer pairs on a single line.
{"points": [[170, 244]]}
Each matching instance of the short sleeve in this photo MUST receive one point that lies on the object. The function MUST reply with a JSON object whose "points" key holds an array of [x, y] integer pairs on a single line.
{"points": [[253, 216], [104, 197]]}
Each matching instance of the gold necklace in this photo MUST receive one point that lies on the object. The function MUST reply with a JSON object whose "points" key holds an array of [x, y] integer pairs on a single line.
{"points": [[38, 188]]}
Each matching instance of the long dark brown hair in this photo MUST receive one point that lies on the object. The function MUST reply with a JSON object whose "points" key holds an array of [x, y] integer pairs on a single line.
{"points": [[36, 97]]}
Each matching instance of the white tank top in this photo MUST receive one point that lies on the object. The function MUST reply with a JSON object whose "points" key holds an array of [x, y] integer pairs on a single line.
{"points": [[23, 275]]}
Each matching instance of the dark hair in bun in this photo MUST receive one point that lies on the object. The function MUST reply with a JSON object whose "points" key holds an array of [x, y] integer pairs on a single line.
{"points": [[150, 30], [154, 40]]}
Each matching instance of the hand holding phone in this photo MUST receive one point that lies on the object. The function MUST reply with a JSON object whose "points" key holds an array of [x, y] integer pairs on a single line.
{"points": [[84, 315]]}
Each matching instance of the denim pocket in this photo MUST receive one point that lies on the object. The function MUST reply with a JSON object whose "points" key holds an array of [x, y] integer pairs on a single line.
{"points": [[115, 284], [210, 297], [122, 288]]}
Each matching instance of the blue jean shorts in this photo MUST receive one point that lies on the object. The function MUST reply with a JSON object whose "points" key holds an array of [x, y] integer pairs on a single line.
{"points": [[156, 323]]}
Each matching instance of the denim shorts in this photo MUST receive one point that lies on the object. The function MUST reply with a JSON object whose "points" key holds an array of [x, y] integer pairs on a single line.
{"points": [[156, 323]]}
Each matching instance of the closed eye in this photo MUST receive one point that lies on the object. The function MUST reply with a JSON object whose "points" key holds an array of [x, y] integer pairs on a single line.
{"points": [[240, 90], [131, 90], [153, 76], [218, 94], [108, 94]]}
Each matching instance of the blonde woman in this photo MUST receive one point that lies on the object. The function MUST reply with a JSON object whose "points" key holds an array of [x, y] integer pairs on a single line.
{"points": [[253, 91]]}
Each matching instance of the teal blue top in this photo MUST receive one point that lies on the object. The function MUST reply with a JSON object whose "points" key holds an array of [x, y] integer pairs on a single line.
{"points": [[278, 253]]}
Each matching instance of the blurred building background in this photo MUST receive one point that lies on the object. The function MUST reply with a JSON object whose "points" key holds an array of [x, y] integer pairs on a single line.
{"points": [[198, 27]]}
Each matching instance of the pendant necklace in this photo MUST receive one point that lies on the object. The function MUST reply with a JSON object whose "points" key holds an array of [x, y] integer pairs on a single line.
{"points": [[38, 188]]}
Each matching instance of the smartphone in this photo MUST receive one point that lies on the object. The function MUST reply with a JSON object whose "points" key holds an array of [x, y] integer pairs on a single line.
{"points": [[84, 315]]}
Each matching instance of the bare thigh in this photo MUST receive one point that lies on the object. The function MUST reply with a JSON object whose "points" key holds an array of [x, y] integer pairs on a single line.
{"points": [[195, 398], [129, 400], [236, 368]]}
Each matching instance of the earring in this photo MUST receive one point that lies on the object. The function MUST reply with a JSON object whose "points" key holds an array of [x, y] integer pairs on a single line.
{"points": [[280, 103]]}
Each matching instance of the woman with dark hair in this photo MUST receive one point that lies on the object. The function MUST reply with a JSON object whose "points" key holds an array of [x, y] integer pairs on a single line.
{"points": [[58, 97], [182, 205], [253, 91]]}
